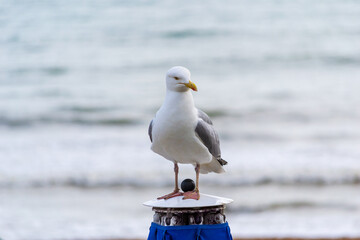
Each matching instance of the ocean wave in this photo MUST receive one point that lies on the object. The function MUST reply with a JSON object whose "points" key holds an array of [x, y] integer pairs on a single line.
{"points": [[276, 206], [295, 180], [82, 182], [90, 182], [86, 109], [87, 115], [77, 120], [191, 33], [50, 70], [270, 60]]}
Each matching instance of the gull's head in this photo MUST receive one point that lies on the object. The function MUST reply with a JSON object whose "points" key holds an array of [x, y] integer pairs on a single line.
{"points": [[178, 80]]}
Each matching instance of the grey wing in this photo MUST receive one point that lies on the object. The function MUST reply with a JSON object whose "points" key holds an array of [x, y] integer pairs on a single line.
{"points": [[204, 117], [150, 129], [207, 134]]}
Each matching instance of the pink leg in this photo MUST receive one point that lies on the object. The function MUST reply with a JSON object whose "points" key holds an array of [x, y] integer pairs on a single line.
{"points": [[176, 191], [194, 194]]}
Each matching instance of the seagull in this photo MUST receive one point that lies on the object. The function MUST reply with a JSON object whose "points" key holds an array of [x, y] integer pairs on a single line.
{"points": [[184, 134]]}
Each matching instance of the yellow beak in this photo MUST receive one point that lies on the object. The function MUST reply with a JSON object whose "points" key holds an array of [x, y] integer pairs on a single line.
{"points": [[191, 85]]}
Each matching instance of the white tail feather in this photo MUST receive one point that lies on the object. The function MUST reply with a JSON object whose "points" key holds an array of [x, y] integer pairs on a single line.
{"points": [[213, 166]]}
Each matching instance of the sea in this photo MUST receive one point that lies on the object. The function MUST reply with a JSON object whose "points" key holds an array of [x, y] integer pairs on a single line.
{"points": [[81, 80]]}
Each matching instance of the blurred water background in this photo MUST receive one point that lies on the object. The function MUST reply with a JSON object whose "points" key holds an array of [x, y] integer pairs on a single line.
{"points": [[81, 80]]}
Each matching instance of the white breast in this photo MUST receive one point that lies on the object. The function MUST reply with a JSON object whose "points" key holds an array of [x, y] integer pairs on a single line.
{"points": [[173, 131]]}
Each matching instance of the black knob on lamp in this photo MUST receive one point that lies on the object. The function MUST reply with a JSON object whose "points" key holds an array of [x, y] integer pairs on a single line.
{"points": [[187, 185]]}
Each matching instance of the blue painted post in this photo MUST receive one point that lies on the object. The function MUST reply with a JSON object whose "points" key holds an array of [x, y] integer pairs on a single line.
{"points": [[189, 219]]}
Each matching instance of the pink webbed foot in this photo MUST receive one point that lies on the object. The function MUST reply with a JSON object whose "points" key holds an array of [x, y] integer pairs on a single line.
{"points": [[175, 193], [192, 195]]}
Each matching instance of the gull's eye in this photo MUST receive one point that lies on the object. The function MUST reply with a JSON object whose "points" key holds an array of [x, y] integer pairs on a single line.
{"points": [[176, 78]]}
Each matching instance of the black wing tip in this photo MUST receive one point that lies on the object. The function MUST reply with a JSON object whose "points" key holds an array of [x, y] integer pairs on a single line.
{"points": [[150, 129], [222, 161]]}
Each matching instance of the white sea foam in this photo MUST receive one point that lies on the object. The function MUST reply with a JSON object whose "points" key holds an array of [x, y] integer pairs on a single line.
{"points": [[262, 211]]}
